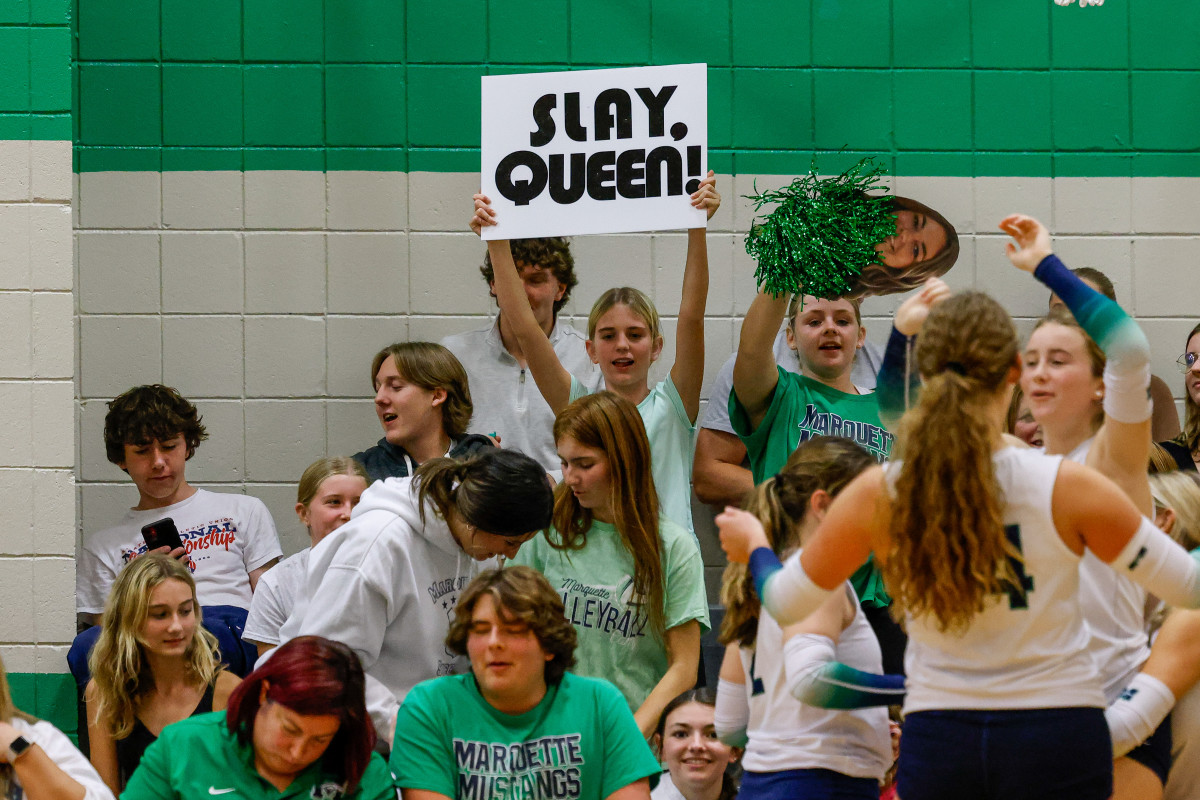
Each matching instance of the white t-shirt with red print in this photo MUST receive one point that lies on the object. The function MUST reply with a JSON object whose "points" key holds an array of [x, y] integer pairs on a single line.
{"points": [[227, 536]]}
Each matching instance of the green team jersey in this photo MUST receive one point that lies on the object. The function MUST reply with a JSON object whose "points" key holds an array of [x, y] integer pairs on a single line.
{"points": [[800, 409], [199, 759], [580, 741]]}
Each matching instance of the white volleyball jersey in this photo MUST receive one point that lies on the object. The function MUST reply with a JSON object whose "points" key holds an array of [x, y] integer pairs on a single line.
{"points": [[1114, 608], [787, 734], [1027, 649]]}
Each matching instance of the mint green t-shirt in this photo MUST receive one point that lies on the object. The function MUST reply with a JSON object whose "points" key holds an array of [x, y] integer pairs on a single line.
{"points": [[198, 759], [616, 641], [672, 442], [800, 409], [580, 741]]}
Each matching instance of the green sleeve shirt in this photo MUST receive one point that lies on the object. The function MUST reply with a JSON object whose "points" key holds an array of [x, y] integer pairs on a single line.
{"points": [[199, 759], [580, 742], [800, 409]]}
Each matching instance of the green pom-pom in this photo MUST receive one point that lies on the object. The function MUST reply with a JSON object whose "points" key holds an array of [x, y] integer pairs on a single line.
{"points": [[823, 232]]}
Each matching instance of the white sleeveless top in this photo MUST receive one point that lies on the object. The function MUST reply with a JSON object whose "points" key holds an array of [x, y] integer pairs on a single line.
{"points": [[1026, 649], [1114, 608], [787, 734]]}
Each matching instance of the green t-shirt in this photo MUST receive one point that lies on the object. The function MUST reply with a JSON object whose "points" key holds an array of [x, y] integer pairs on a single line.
{"points": [[616, 641], [800, 409], [672, 438], [198, 758], [580, 741]]}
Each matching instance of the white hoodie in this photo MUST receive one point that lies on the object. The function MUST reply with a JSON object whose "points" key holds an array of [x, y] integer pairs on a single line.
{"points": [[385, 585]]}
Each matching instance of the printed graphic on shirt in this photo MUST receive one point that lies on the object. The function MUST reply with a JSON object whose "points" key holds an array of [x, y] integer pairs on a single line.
{"points": [[547, 768], [444, 594], [327, 791], [196, 541], [608, 609], [874, 438]]}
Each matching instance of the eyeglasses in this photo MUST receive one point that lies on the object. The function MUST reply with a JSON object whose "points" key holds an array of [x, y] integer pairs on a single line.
{"points": [[1186, 362]]}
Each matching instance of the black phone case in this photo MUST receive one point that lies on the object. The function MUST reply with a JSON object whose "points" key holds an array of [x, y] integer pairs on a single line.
{"points": [[161, 533]]}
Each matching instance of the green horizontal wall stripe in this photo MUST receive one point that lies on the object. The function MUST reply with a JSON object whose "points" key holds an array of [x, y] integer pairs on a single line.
{"points": [[35, 69], [35, 126], [762, 162], [959, 88], [51, 697]]}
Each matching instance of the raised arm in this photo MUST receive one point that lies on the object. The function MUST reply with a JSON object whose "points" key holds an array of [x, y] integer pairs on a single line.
{"points": [[898, 382], [687, 373], [1122, 445], [754, 372], [552, 379], [857, 520]]}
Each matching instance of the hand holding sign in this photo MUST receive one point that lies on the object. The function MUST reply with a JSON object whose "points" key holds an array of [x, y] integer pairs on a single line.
{"points": [[706, 198], [483, 216], [594, 151]]}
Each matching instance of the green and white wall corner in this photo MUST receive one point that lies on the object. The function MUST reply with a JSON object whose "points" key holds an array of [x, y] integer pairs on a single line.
{"points": [[37, 357]]}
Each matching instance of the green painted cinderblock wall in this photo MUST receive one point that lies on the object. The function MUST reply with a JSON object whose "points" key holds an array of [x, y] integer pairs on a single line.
{"points": [[934, 87], [35, 82]]}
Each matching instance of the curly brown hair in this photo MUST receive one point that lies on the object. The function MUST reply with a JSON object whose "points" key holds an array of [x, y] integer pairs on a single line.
{"points": [[150, 413], [522, 595], [552, 253], [947, 551]]}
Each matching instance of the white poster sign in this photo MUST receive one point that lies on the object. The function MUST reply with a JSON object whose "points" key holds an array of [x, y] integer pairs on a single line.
{"points": [[594, 151]]}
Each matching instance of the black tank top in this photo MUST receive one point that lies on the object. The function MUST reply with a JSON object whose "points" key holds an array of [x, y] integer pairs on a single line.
{"points": [[130, 749]]}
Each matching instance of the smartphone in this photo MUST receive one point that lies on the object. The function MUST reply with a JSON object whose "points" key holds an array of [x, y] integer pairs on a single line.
{"points": [[162, 533]]}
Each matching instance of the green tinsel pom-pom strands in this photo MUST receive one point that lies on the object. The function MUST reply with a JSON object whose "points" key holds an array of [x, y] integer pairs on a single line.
{"points": [[823, 232]]}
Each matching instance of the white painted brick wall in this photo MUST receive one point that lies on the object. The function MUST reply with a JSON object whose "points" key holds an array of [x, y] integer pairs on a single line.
{"points": [[263, 296], [37, 438]]}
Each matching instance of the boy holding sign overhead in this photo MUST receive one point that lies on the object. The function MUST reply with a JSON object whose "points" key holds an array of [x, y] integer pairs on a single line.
{"points": [[624, 339]]}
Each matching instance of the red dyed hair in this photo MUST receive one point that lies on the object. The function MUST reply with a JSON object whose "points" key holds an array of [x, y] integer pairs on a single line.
{"points": [[312, 675]]}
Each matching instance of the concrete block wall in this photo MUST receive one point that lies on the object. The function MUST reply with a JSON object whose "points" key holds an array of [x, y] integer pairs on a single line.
{"points": [[37, 358], [269, 192]]}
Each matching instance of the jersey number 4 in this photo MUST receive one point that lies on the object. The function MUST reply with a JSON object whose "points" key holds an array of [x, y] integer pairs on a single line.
{"points": [[1018, 595], [756, 684]]}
